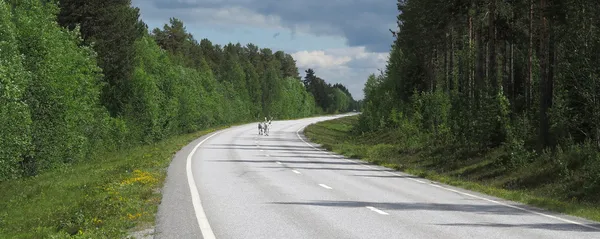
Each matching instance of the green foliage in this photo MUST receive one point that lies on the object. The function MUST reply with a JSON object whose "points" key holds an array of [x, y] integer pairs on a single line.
{"points": [[295, 101], [83, 86], [489, 78], [106, 197], [101, 83], [63, 93], [15, 118], [564, 181], [111, 27], [329, 98]]}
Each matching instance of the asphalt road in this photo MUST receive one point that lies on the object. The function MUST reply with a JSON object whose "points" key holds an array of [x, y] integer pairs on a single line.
{"points": [[280, 186]]}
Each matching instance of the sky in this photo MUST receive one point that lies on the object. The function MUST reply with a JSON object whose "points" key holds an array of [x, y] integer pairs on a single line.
{"points": [[343, 41]]}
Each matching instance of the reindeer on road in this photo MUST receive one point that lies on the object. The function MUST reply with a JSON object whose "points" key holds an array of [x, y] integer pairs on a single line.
{"points": [[263, 127]]}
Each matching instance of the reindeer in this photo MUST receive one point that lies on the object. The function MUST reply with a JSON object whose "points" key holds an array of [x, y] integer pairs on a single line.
{"points": [[263, 127], [267, 125]]}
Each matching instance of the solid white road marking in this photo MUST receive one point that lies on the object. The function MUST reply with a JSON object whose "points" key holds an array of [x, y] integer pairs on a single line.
{"points": [[296, 171], [207, 232], [459, 192], [325, 186], [378, 211]]}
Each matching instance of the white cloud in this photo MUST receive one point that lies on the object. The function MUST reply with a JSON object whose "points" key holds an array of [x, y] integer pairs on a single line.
{"points": [[354, 57], [349, 66], [237, 16], [361, 22], [221, 16], [319, 59]]}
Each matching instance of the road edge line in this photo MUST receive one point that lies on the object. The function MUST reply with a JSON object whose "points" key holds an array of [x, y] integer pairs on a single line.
{"points": [[466, 194], [205, 228]]}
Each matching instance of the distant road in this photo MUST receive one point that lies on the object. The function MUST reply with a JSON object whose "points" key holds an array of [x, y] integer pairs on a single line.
{"points": [[280, 186]]}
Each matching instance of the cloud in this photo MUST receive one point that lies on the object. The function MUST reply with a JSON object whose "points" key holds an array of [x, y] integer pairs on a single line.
{"points": [[319, 59], [358, 29], [349, 66], [361, 22]]}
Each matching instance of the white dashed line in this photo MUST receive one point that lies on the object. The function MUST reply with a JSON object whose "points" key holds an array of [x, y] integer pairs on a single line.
{"points": [[278, 162], [296, 171], [378, 211], [325, 186], [459, 192]]}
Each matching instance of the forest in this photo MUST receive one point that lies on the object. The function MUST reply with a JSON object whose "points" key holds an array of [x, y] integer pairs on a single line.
{"points": [[519, 78], [82, 77]]}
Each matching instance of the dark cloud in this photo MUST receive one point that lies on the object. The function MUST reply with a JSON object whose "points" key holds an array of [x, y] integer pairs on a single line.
{"points": [[361, 22]]}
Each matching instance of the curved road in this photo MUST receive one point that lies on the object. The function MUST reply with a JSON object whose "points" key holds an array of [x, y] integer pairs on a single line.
{"points": [[280, 186]]}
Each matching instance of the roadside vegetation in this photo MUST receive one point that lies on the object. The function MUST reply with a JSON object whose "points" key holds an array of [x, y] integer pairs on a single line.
{"points": [[499, 96], [110, 195], [93, 104], [538, 184]]}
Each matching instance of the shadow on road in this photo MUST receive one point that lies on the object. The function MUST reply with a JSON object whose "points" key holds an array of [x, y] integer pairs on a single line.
{"points": [[468, 208], [235, 146], [336, 169], [266, 147], [282, 161], [315, 156], [473, 208], [544, 226], [272, 139], [386, 176]]}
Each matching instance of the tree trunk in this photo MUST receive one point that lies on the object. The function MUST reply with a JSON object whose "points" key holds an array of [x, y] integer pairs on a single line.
{"points": [[550, 37], [513, 93], [492, 71], [446, 75], [530, 66], [545, 84], [432, 73], [504, 76], [470, 68], [479, 68], [451, 65]]}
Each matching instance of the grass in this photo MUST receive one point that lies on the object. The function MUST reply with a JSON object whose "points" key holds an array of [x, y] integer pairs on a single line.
{"points": [[108, 196], [537, 184]]}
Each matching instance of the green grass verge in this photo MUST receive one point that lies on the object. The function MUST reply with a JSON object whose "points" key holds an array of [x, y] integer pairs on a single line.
{"points": [[106, 197], [535, 184]]}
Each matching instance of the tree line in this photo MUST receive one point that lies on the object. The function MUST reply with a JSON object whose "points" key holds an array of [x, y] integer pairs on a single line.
{"points": [[81, 77], [331, 98], [522, 75]]}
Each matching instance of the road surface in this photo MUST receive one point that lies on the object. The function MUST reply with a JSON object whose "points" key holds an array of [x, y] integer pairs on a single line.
{"points": [[238, 184]]}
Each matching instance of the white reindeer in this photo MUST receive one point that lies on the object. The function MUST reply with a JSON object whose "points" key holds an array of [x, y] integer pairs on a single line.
{"points": [[263, 127], [267, 125]]}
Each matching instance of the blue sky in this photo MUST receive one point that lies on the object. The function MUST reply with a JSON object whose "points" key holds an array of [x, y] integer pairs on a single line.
{"points": [[342, 40]]}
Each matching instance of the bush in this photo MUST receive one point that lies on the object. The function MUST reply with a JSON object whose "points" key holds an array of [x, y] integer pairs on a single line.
{"points": [[579, 167], [63, 96], [15, 118], [383, 153]]}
